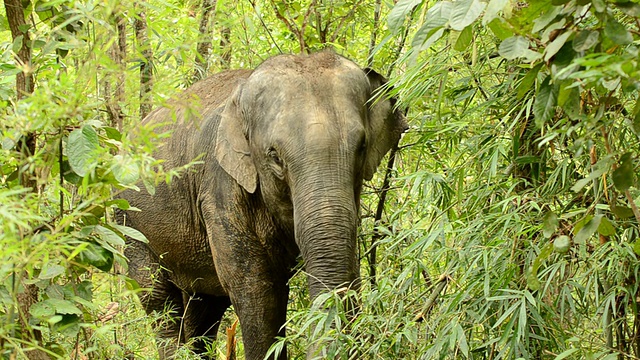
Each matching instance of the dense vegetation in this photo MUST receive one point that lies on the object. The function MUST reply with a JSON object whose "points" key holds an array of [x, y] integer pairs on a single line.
{"points": [[505, 226]]}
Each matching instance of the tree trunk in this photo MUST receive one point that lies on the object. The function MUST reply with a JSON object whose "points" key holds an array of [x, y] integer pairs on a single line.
{"points": [[204, 40], [118, 54], [27, 147], [146, 63]]}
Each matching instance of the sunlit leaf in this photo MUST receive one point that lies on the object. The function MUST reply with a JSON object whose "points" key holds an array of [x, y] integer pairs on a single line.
{"points": [[493, 8], [585, 40], [399, 13], [82, 150], [514, 47], [465, 12]]}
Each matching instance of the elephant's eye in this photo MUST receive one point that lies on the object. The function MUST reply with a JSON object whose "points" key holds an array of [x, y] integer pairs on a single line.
{"points": [[273, 154]]}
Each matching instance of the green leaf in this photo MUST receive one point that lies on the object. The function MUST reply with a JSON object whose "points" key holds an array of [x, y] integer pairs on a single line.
{"points": [[49, 271], [622, 212], [464, 13], [42, 310], [82, 150], [593, 175], [544, 107], [606, 227], [617, 32], [432, 29], [513, 47], [464, 39], [587, 229], [549, 224], [636, 247], [585, 40], [64, 306], [565, 354], [131, 232], [108, 235], [569, 100], [97, 256], [630, 8], [112, 133], [623, 176], [545, 19], [399, 13], [494, 7], [527, 82], [556, 45], [125, 170], [17, 44], [500, 29]]}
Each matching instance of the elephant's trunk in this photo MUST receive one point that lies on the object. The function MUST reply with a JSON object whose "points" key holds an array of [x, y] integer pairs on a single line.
{"points": [[326, 219]]}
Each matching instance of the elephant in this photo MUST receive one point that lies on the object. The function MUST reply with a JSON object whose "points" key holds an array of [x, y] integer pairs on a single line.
{"points": [[283, 150]]}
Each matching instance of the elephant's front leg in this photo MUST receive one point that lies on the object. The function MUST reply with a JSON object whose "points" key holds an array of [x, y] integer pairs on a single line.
{"points": [[259, 294]]}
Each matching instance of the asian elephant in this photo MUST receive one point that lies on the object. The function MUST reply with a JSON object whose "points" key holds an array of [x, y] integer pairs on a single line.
{"points": [[284, 150]]}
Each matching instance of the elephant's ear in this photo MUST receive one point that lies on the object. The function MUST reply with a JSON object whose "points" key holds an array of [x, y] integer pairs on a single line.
{"points": [[385, 124], [232, 147]]}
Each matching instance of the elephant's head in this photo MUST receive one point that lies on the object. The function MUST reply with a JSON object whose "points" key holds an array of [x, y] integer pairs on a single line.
{"points": [[306, 131]]}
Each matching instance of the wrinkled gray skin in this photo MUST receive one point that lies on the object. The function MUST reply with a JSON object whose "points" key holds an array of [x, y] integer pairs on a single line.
{"points": [[286, 148]]}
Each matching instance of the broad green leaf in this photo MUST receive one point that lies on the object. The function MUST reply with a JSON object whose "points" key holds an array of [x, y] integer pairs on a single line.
{"points": [[569, 100], [500, 29], [464, 13], [556, 44], [514, 47], [437, 17], [585, 40], [544, 107], [399, 13], [464, 39], [636, 247], [623, 176], [63, 306], [49, 271], [82, 150], [121, 204], [549, 224], [42, 310], [125, 170], [617, 32], [493, 8], [545, 19], [112, 133], [131, 232], [630, 8], [588, 229], [622, 212], [606, 227], [97, 256]]}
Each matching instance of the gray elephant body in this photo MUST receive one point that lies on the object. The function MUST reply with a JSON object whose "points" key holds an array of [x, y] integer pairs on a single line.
{"points": [[284, 150]]}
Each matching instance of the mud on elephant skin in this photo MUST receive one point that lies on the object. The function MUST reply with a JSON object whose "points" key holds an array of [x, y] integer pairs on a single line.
{"points": [[285, 149]]}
